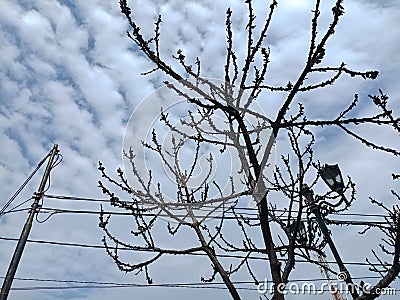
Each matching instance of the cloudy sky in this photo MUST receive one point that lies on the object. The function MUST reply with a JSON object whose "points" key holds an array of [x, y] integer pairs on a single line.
{"points": [[69, 75]]}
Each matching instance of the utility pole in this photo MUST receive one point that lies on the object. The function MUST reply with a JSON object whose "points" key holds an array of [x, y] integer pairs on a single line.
{"points": [[5, 289]]}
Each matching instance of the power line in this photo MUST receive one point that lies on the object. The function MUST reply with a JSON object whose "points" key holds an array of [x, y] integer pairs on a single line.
{"points": [[79, 245], [180, 286], [57, 210], [227, 216], [13, 197], [240, 285], [169, 284], [250, 217], [75, 198], [16, 210], [34, 288], [54, 211], [104, 200]]}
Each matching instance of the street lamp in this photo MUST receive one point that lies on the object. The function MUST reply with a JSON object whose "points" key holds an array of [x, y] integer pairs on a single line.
{"points": [[333, 178]]}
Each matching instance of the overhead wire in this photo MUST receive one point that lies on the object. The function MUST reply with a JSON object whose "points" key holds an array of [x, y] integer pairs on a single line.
{"points": [[14, 209], [17, 210], [204, 285], [191, 283], [227, 216], [103, 200], [23, 185], [226, 255], [143, 286]]}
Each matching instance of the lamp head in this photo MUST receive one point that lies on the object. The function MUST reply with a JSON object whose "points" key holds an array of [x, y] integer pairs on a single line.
{"points": [[333, 177]]}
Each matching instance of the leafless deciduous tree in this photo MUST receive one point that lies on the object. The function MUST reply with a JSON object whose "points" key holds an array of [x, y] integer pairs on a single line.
{"points": [[206, 208]]}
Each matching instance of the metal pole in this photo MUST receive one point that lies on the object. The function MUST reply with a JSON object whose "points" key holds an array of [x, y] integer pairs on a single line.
{"points": [[320, 220], [5, 289]]}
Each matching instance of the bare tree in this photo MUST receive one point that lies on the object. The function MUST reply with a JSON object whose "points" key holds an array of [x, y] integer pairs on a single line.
{"points": [[206, 208], [390, 246]]}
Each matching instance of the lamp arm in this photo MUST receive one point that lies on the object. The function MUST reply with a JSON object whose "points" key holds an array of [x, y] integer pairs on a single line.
{"points": [[325, 203]]}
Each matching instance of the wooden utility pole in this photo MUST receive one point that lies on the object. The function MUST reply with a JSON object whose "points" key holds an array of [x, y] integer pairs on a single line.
{"points": [[5, 289]]}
